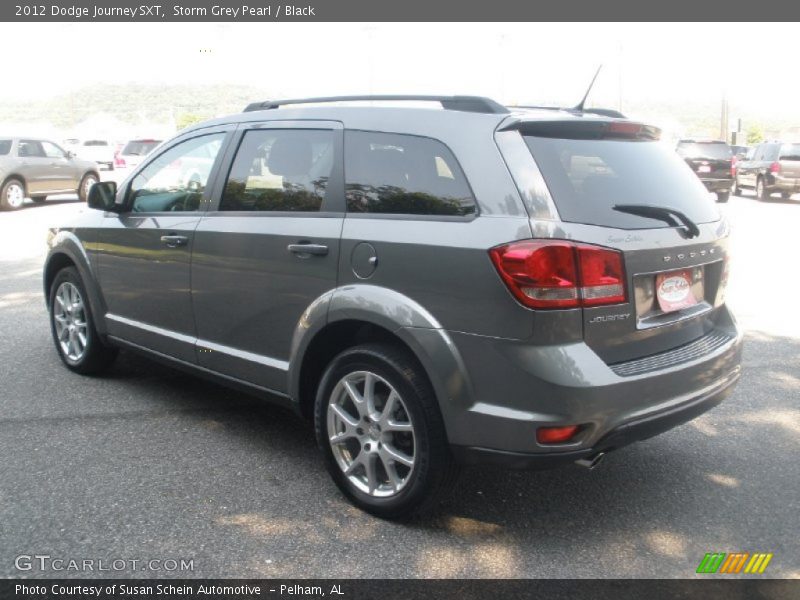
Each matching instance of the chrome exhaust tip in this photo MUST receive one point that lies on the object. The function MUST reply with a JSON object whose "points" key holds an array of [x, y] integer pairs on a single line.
{"points": [[590, 462]]}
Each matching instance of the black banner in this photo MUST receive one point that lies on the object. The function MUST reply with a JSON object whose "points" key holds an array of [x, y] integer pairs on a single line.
{"points": [[392, 10], [399, 589]]}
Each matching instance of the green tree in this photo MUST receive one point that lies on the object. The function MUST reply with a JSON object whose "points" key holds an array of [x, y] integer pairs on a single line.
{"points": [[755, 134], [186, 119]]}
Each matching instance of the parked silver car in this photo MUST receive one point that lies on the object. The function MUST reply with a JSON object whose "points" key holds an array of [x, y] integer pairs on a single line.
{"points": [[35, 168], [429, 287]]}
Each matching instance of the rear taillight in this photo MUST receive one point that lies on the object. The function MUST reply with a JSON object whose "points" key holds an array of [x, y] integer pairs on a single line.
{"points": [[775, 167], [560, 274], [734, 160], [119, 161]]}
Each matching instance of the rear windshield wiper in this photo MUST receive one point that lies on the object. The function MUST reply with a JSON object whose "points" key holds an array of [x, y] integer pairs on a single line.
{"points": [[673, 217]]}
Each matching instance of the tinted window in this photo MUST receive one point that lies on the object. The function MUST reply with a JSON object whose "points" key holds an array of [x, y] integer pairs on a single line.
{"points": [[30, 149], [5, 146], [140, 147], [586, 178], [704, 150], [175, 180], [280, 170], [403, 174], [790, 152], [771, 152], [95, 143]]}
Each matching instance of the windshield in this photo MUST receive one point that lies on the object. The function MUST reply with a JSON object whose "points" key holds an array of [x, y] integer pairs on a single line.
{"points": [[140, 147], [790, 152], [586, 178], [711, 150]]}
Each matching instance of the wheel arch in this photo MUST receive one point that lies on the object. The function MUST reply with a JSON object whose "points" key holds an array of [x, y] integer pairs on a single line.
{"points": [[19, 178], [67, 251], [359, 314]]}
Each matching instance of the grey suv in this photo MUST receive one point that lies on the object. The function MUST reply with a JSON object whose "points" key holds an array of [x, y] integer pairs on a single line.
{"points": [[35, 168], [431, 287]]}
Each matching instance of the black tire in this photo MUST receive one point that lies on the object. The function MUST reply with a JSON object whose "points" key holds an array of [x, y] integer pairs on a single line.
{"points": [[763, 194], [96, 356], [83, 189], [737, 190], [5, 202], [723, 196], [786, 195], [434, 473]]}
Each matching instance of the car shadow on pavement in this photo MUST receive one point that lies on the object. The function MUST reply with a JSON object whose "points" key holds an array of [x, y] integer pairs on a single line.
{"points": [[655, 506]]}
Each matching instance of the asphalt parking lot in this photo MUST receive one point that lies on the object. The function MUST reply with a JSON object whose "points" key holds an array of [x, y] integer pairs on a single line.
{"points": [[148, 463]]}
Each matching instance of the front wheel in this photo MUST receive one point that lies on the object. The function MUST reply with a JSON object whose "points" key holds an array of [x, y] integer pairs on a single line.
{"points": [[78, 344], [380, 430], [723, 196], [86, 184]]}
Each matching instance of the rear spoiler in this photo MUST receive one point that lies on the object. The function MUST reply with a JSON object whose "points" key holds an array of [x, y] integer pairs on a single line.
{"points": [[578, 129]]}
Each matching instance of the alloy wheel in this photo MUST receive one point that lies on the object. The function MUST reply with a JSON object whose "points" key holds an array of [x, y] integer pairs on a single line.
{"points": [[69, 317], [371, 434]]}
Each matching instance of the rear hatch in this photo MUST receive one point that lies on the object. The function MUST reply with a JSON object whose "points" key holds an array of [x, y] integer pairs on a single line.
{"points": [[709, 160], [789, 159], [615, 185]]}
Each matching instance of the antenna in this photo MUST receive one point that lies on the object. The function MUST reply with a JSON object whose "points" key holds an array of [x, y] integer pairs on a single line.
{"points": [[579, 108]]}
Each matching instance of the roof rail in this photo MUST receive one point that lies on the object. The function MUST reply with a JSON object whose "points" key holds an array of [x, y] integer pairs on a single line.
{"points": [[476, 104], [605, 112]]}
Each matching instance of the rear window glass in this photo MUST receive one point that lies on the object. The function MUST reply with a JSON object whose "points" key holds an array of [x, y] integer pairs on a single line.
{"points": [[403, 174], [95, 143], [5, 146], [140, 147], [704, 150], [790, 152], [586, 178]]}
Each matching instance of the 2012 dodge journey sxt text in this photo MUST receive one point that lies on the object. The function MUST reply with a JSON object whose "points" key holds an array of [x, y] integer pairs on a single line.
{"points": [[430, 286]]}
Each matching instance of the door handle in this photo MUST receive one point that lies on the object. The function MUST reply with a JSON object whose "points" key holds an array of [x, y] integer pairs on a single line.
{"points": [[308, 249], [173, 241]]}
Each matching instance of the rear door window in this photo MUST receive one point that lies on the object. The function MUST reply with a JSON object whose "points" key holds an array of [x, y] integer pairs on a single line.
{"points": [[5, 147], [280, 170], [404, 175], [30, 149], [587, 178]]}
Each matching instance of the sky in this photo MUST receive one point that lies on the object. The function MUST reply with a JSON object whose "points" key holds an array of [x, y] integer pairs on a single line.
{"points": [[511, 62]]}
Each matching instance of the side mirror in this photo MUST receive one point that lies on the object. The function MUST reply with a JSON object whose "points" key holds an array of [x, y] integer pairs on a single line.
{"points": [[103, 195], [70, 154]]}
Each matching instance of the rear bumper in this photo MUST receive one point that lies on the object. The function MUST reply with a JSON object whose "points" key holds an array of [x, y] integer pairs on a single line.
{"points": [[627, 433], [718, 185], [516, 387]]}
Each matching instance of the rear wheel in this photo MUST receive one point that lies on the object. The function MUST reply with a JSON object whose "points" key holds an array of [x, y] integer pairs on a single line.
{"points": [[761, 189], [723, 196], [86, 184], [12, 196], [786, 195], [381, 433], [78, 344]]}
